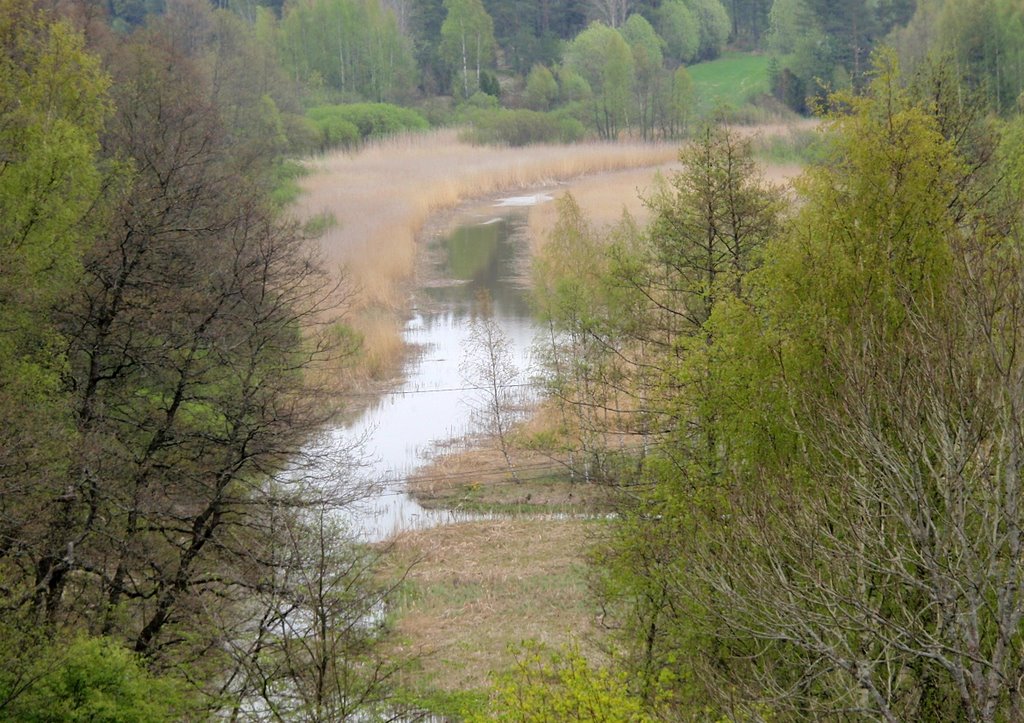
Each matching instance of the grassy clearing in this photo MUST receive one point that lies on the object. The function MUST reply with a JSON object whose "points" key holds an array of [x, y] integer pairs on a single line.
{"points": [[383, 195], [477, 588], [729, 81]]}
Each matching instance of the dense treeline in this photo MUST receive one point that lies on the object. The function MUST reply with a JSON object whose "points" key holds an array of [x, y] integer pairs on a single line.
{"points": [[164, 330], [819, 47], [820, 509], [610, 66]]}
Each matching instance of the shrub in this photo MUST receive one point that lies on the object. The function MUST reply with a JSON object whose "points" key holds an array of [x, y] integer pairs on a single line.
{"points": [[561, 686], [304, 135], [94, 679], [541, 88], [522, 127], [346, 125]]}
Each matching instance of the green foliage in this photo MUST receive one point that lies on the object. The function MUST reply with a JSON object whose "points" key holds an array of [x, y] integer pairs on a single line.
{"points": [[678, 27], [52, 96], [878, 211], [317, 225], [713, 27], [680, 105], [353, 46], [985, 41], [561, 686], [93, 679], [572, 87], [541, 88], [467, 43], [53, 105], [347, 125], [456, 705], [489, 84], [522, 127], [284, 182], [791, 22], [644, 42], [604, 60], [804, 147], [806, 381], [650, 72]]}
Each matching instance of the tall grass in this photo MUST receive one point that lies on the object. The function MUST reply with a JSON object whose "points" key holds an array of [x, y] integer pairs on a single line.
{"points": [[604, 200], [383, 195], [782, 148]]}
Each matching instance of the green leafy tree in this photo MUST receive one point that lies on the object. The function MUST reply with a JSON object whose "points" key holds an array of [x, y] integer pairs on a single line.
{"points": [[790, 21], [678, 104], [467, 42], [749, 18], [53, 106], [603, 59], [832, 389], [541, 88], [713, 26], [984, 40], [677, 25], [650, 73], [354, 46], [893, 380]]}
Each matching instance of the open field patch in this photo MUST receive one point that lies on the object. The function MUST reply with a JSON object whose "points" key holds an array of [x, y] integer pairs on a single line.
{"points": [[731, 80], [477, 588]]}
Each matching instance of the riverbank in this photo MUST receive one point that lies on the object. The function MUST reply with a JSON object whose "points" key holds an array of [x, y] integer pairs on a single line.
{"points": [[476, 588]]}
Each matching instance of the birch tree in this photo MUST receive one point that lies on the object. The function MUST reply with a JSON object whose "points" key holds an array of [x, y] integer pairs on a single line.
{"points": [[467, 42]]}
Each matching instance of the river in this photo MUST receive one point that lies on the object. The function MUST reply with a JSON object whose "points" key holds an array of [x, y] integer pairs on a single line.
{"points": [[476, 269]]}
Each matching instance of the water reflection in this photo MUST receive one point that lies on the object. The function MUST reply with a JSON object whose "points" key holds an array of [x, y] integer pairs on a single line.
{"points": [[432, 406]]}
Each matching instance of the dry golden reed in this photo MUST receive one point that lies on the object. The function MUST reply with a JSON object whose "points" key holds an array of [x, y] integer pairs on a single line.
{"points": [[605, 198]]}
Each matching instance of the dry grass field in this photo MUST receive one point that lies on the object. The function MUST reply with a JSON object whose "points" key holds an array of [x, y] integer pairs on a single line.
{"points": [[476, 588], [606, 197]]}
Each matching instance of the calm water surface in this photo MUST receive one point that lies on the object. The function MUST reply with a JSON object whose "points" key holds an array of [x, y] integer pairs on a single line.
{"points": [[432, 407]]}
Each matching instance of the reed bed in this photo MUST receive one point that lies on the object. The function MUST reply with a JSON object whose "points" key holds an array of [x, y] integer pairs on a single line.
{"points": [[606, 198]]}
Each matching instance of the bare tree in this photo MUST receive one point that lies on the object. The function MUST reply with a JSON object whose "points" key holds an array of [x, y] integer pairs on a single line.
{"points": [[489, 368], [309, 649], [191, 341]]}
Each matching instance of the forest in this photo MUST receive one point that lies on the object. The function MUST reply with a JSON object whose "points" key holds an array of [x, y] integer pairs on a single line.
{"points": [[799, 404]]}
